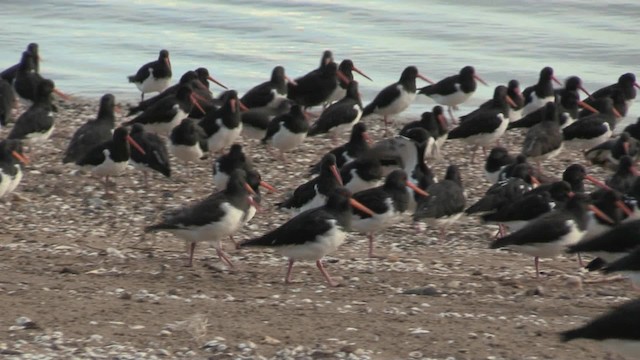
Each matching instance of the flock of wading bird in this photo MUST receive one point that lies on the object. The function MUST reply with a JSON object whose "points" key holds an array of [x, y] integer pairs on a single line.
{"points": [[361, 186]]}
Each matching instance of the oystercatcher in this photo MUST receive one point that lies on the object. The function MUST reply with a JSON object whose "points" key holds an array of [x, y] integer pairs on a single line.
{"points": [[189, 79], [27, 80], [496, 161], [536, 96], [619, 103], [11, 160], [168, 112], [420, 175], [204, 76], [436, 124], [486, 127], [387, 202], [212, 219], [401, 151], [224, 165], [622, 180], [626, 83], [611, 245], [340, 115], [36, 124], [93, 132], [188, 142], [314, 192], [155, 155], [544, 140], [454, 90], [270, 93], [9, 74], [256, 121], [608, 154], [592, 130], [287, 131], [357, 145], [513, 90], [617, 330], [316, 87], [314, 233], [347, 68], [396, 97], [550, 234], [7, 101], [363, 173], [153, 76], [504, 191], [111, 157], [445, 203], [224, 125]]}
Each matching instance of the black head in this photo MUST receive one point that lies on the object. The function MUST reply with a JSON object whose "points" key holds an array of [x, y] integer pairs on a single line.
{"points": [[230, 99], [184, 93], [254, 180], [513, 84], [409, 74], [397, 179], [358, 130], [546, 73], [453, 174], [164, 54], [327, 58], [625, 164], [560, 191], [627, 79], [572, 83], [45, 88], [277, 74], [498, 152], [107, 104], [419, 135], [203, 73], [346, 66], [188, 76], [522, 171], [120, 134], [467, 71], [237, 182], [137, 129], [328, 160], [499, 93], [437, 110], [235, 151], [574, 174], [7, 146], [33, 48]]}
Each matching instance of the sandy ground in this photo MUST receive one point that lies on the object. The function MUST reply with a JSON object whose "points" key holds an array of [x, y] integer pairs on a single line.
{"points": [[76, 264]]}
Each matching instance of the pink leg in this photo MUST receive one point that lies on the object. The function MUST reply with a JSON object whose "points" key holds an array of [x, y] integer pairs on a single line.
{"points": [[580, 260], [484, 152], [146, 180], [536, 261], [501, 230], [222, 255], [235, 243], [106, 184], [192, 249], [325, 273], [287, 278], [443, 233], [473, 154]]}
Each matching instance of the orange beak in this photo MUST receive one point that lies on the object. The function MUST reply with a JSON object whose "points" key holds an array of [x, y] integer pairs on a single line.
{"points": [[22, 158], [361, 73], [597, 212], [367, 138], [622, 206], [617, 113], [510, 101], [584, 105], [554, 78], [61, 94], [249, 189], [597, 182], [625, 146], [135, 145], [358, 205], [425, 79], [535, 181], [480, 79], [243, 107], [194, 101], [267, 186], [636, 85], [290, 81], [336, 173], [413, 187], [217, 82], [585, 91], [443, 121], [343, 77]]}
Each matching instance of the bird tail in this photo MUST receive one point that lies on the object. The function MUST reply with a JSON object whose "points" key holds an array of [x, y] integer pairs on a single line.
{"points": [[259, 241], [501, 242], [315, 130], [368, 110], [427, 90], [156, 227], [131, 78], [571, 335]]}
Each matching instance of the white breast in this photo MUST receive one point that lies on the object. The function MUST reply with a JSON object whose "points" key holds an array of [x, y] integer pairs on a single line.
{"points": [[285, 140], [536, 103], [221, 229], [187, 153], [165, 128], [38, 137], [376, 223], [554, 248], [317, 248], [109, 167], [398, 105], [454, 99], [151, 84], [223, 137], [488, 138]]}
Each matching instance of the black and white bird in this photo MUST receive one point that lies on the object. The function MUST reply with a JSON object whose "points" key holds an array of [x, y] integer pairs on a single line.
{"points": [[591, 130], [7, 102], [26, 78], [224, 125], [315, 88], [314, 193], [357, 145], [256, 121], [188, 141], [287, 131], [111, 157], [211, 219], [341, 115], [396, 97], [536, 96], [9, 74], [268, 94], [616, 330], [420, 175], [224, 165], [624, 177], [436, 124], [402, 151], [504, 192], [167, 113], [347, 68], [387, 202], [314, 233], [36, 124], [611, 245], [485, 127], [454, 90], [93, 132], [153, 76], [628, 265], [445, 203], [513, 90], [550, 234], [609, 153], [626, 84], [11, 161], [363, 173], [155, 156], [543, 141], [497, 159]]}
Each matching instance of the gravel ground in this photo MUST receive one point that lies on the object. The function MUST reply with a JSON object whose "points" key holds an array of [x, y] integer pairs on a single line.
{"points": [[78, 279]]}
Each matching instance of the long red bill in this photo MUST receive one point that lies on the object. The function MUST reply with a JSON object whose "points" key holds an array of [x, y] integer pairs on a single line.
{"points": [[217, 82], [555, 79], [584, 105], [636, 85], [597, 212], [22, 158], [535, 181], [585, 91], [597, 182], [194, 101], [511, 102], [617, 113], [426, 79], [413, 187], [480, 79], [336, 173], [267, 186], [61, 94], [622, 206], [358, 205], [290, 81], [135, 145], [361, 73], [249, 189], [343, 77], [243, 107]]}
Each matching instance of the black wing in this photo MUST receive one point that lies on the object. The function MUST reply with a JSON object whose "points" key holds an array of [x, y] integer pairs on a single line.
{"points": [[202, 213], [375, 199], [547, 228], [336, 114], [445, 198], [86, 138], [385, 97], [444, 87], [584, 129], [259, 95], [301, 195]]}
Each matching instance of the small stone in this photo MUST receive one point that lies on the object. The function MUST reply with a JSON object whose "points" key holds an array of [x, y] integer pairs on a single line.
{"points": [[426, 291], [348, 349], [136, 327], [415, 355], [270, 341], [165, 333], [537, 291], [125, 295], [454, 284], [95, 337], [115, 253], [26, 323], [574, 282]]}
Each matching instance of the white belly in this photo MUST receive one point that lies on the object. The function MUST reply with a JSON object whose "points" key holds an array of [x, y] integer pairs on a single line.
{"points": [[319, 247], [38, 137], [375, 223], [220, 178], [15, 181], [487, 139], [316, 202], [582, 144], [536, 103], [594, 228], [343, 128], [227, 225], [187, 153], [552, 249], [493, 176], [109, 167], [514, 115], [223, 137], [150, 84], [276, 100], [5, 182], [454, 99], [165, 128], [399, 105], [357, 184], [285, 140]]}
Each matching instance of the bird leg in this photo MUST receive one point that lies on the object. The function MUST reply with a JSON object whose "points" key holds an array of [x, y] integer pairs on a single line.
{"points": [[106, 184], [536, 261], [237, 245], [222, 255], [454, 120], [473, 154], [443, 233], [580, 261], [484, 152], [191, 248], [325, 273], [371, 253], [287, 278]]}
